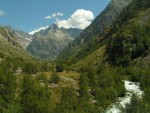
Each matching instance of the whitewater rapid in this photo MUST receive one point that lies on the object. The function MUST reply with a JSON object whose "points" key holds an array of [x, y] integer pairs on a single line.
{"points": [[131, 87]]}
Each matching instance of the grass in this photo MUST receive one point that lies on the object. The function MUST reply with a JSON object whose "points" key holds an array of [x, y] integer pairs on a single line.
{"points": [[67, 79], [70, 74], [92, 59]]}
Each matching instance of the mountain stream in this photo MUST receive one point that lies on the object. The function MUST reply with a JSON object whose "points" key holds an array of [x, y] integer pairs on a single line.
{"points": [[131, 87]]}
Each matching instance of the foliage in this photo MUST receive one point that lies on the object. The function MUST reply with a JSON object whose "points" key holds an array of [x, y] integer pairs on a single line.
{"points": [[137, 105], [129, 34], [59, 67], [7, 90], [54, 78], [12, 100], [68, 102], [34, 97], [141, 105], [105, 85]]}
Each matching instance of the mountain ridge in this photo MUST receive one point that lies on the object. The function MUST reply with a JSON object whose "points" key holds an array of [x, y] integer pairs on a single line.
{"points": [[101, 23], [47, 44], [22, 38], [126, 43]]}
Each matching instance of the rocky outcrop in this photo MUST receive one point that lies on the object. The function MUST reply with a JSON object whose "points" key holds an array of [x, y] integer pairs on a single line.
{"points": [[21, 37], [47, 44], [6, 36]]}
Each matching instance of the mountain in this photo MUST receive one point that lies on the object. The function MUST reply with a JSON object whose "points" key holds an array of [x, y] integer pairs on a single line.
{"points": [[21, 37], [124, 48], [101, 23], [129, 37], [47, 44], [8, 39], [9, 45], [126, 42], [13, 56]]}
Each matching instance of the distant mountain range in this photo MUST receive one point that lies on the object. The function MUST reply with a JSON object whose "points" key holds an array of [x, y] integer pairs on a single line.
{"points": [[48, 43]]}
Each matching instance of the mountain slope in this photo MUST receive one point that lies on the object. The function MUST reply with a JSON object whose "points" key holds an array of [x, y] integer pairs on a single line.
{"points": [[7, 40], [9, 45], [14, 57], [21, 37], [130, 39], [47, 44], [100, 24], [126, 42]]}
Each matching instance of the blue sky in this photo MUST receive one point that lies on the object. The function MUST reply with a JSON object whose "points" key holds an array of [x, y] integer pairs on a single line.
{"points": [[27, 15]]}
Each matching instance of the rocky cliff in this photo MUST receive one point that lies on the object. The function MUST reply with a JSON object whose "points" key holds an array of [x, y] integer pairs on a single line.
{"points": [[47, 44]]}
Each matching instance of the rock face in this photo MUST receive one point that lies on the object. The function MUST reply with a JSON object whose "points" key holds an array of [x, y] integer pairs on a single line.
{"points": [[7, 37], [101, 22], [10, 47], [47, 44], [21, 37], [9, 44]]}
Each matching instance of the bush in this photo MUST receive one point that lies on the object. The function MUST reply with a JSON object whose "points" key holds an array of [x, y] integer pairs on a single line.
{"points": [[54, 78], [59, 68]]}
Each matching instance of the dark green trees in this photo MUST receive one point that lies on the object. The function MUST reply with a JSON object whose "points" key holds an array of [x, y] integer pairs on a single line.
{"points": [[99, 87], [35, 97], [83, 88], [68, 102], [59, 67], [7, 91], [54, 78], [137, 105], [130, 37], [30, 68], [141, 105]]}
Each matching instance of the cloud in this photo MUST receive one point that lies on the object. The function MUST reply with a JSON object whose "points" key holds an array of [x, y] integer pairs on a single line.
{"points": [[54, 15], [48, 17], [2, 13], [79, 19], [37, 30]]}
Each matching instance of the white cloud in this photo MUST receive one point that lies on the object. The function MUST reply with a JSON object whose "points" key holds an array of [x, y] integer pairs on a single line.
{"points": [[2, 13], [54, 15], [48, 17], [37, 30], [79, 19]]}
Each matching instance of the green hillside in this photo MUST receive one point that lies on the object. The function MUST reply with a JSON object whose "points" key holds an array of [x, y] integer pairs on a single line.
{"points": [[125, 46], [130, 38], [87, 38], [125, 41]]}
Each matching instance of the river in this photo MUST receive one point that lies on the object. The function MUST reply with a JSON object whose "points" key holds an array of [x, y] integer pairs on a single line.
{"points": [[131, 87]]}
